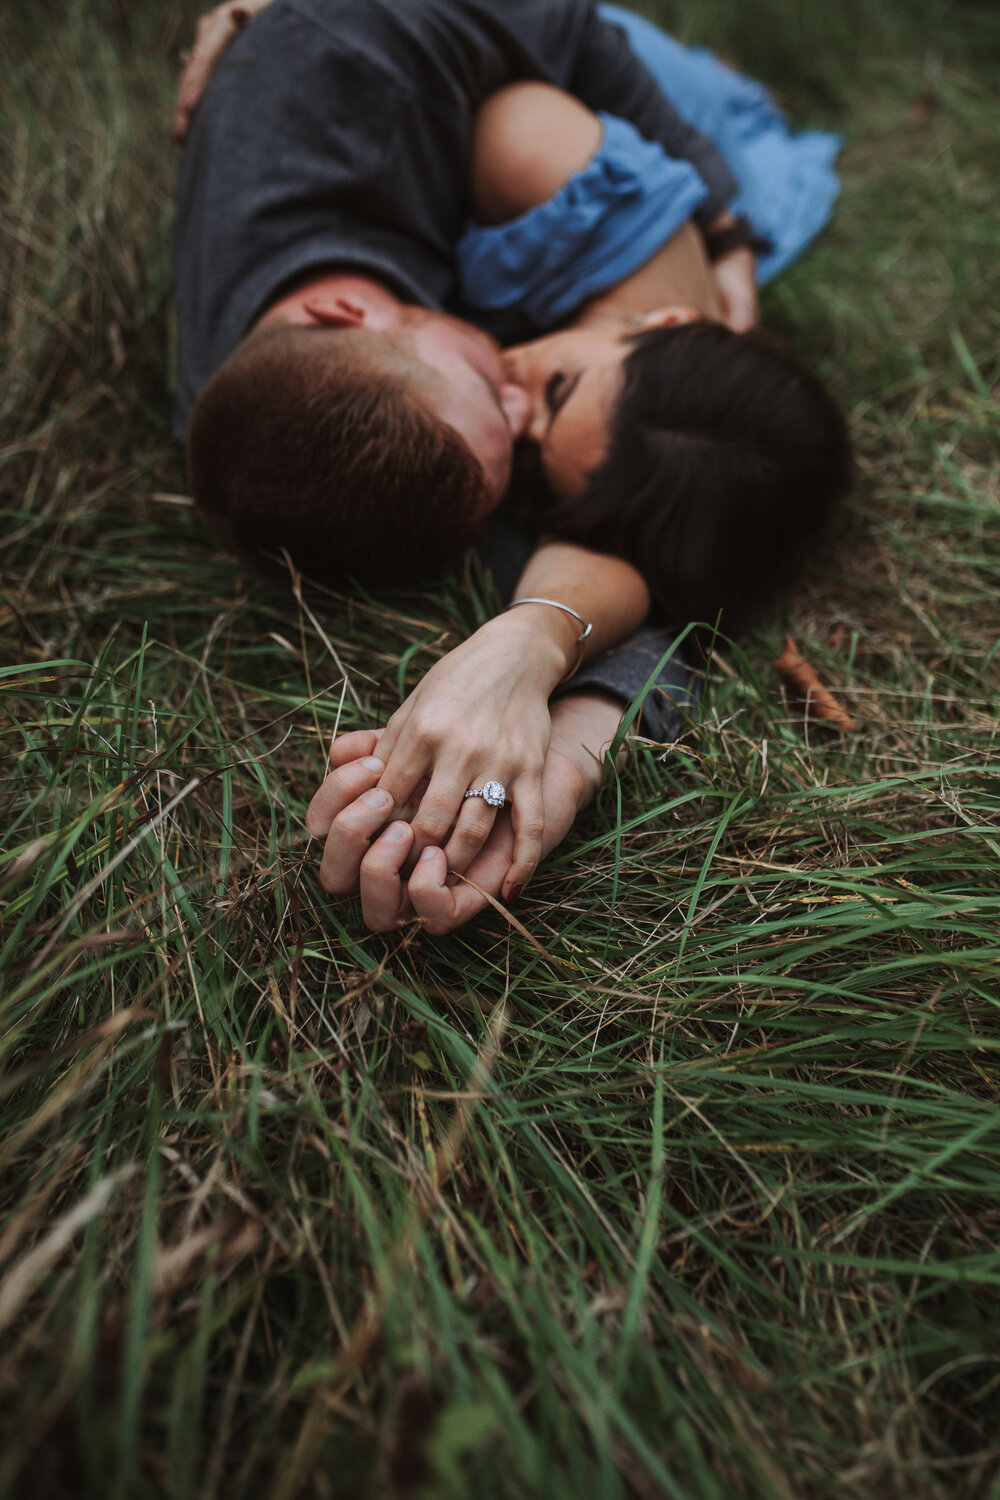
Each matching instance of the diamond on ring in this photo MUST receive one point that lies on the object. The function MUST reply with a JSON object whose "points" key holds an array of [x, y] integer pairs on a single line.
{"points": [[492, 793]]}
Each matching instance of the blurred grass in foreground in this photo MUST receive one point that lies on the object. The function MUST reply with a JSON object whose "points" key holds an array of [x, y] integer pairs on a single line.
{"points": [[688, 1188]]}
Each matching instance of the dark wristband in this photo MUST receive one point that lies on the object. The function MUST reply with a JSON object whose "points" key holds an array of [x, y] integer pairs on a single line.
{"points": [[739, 235]]}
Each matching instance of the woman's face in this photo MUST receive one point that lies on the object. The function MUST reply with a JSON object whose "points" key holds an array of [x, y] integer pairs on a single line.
{"points": [[573, 381]]}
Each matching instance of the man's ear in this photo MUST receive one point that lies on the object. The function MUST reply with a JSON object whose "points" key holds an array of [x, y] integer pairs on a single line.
{"points": [[670, 316], [333, 311]]}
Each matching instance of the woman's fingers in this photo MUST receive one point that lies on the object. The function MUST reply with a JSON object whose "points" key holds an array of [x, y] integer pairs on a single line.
{"points": [[384, 899], [527, 813], [475, 823], [442, 804], [735, 278], [407, 764]]}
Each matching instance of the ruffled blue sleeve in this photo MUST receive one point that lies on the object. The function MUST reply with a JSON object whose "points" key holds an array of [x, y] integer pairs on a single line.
{"points": [[528, 276], [787, 183], [597, 229]]}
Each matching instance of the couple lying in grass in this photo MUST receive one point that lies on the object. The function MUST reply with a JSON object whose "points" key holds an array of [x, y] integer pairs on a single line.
{"points": [[355, 176]]}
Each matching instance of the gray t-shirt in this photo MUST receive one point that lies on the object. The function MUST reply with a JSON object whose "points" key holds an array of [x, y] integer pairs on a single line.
{"points": [[337, 133]]}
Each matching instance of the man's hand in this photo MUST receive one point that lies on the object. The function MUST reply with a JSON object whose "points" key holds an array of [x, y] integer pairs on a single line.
{"points": [[736, 283], [734, 275], [215, 31], [363, 855]]}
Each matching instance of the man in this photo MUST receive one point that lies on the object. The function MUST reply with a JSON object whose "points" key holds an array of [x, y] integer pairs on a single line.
{"points": [[260, 221], [337, 134], [289, 175], [570, 371]]}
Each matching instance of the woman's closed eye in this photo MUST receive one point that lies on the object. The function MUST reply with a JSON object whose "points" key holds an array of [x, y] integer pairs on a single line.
{"points": [[558, 389]]}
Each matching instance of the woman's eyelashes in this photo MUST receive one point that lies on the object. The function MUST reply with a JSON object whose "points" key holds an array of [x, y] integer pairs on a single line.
{"points": [[558, 389]]}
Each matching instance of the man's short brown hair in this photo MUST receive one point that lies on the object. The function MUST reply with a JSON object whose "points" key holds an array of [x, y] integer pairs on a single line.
{"points": [[301, 441]]}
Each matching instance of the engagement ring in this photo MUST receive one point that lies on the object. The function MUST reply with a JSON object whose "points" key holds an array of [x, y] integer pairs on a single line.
{"points": [[492, 792]]}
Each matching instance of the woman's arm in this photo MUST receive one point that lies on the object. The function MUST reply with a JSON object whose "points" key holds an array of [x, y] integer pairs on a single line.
{"points": [[510, 176], [481, 714]]}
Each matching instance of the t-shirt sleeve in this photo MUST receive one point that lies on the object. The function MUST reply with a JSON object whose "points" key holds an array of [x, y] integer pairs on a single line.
{"points": [[609, 77], [623, 672]]}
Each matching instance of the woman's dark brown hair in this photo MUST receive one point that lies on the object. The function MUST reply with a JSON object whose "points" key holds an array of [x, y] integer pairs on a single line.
{"points": [[726, 459]]}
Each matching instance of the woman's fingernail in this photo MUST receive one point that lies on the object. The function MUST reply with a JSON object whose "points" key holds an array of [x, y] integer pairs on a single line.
{"points": [[515, 890], [396, 831], [372, 763], [376, 798], [428, 853]]}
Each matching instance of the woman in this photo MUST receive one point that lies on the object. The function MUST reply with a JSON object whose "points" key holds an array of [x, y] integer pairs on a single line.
{"points": [[481, 716]]}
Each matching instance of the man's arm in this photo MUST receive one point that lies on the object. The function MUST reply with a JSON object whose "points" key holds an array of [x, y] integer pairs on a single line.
{"points": [[607, 76]]}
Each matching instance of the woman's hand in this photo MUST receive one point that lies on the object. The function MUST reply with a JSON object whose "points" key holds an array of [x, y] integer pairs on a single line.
{"points": [[583, 726], [215, 31], [481, 714], [373, 859]]}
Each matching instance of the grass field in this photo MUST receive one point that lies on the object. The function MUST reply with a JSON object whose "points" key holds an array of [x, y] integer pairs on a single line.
{"points": [[683, 1184]]}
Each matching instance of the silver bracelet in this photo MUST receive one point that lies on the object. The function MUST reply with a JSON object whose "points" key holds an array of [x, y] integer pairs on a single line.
{"points": [[587, 627]]}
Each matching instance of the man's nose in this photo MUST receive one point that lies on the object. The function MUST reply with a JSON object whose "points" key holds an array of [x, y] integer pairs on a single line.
{"points": [[516, 406]]}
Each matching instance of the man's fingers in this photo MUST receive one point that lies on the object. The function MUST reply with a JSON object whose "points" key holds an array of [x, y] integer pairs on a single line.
{"points": [[353, 745], [348, 840], [384, 899], [342, 787], [441, 907], [528, 818]]}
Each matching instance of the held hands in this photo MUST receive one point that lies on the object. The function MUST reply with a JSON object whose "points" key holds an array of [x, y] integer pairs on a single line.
{"points": [[481, 714], [362, 854]]}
